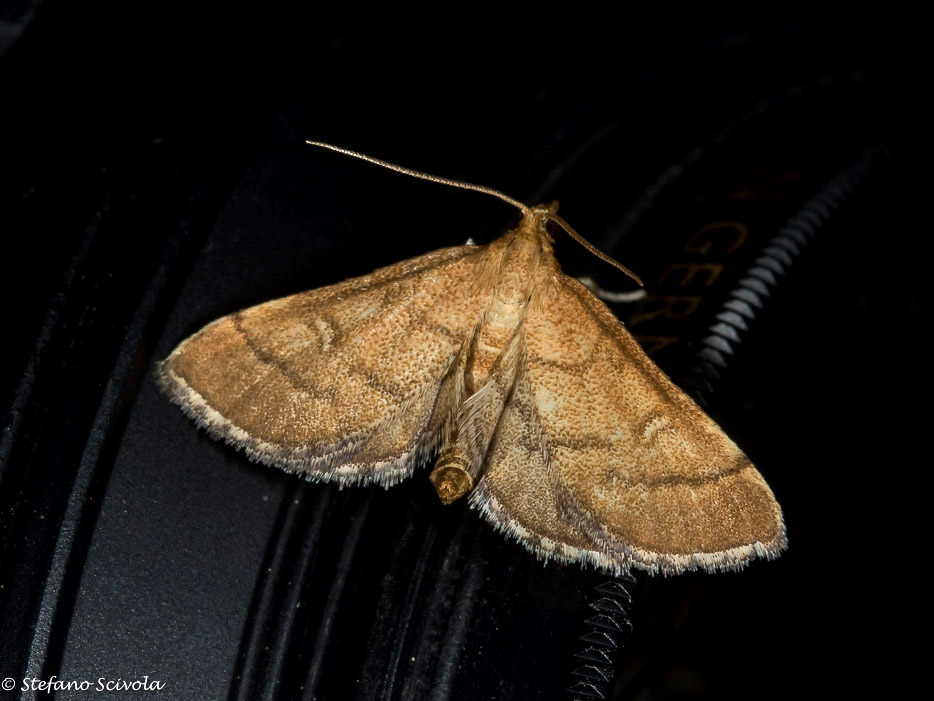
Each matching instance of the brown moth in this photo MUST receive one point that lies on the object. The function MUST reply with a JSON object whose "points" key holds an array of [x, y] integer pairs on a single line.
{"points": [[538, 403]]}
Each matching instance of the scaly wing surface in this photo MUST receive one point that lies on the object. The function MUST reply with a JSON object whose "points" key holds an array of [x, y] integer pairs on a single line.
{"points": [[516, 494], [634, 465], [348, 383]]}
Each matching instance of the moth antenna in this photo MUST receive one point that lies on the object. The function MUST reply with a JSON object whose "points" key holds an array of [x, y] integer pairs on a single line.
{"points": [[593, 249], [526, 211]]}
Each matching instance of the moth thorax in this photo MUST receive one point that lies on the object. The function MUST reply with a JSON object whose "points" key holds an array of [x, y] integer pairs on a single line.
{"points": [[451, 477], [520, 261]]}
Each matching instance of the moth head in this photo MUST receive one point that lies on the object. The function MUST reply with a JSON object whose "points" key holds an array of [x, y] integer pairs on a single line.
{"points": [[540, 216]]}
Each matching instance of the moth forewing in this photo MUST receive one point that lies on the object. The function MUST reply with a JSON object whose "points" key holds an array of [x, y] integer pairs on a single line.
{"points": [[636, 465], [303, 382]]}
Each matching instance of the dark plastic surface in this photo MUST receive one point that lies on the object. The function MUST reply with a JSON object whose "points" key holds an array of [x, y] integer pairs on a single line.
{"points": [[155, 179]]}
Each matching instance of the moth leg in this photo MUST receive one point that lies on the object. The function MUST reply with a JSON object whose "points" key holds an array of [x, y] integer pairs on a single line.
{"points": [[610, 295]]}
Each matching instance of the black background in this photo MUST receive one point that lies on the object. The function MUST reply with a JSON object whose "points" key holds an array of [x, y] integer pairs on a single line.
{"points": [[153, 177]]}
